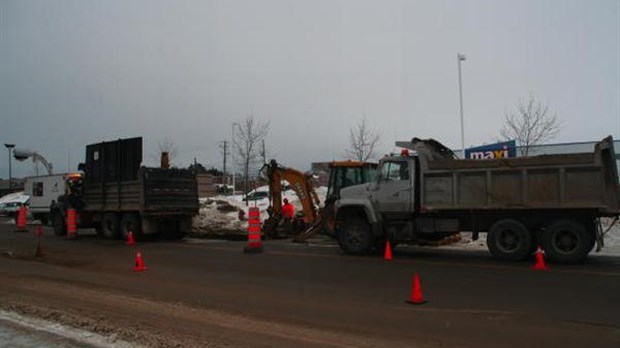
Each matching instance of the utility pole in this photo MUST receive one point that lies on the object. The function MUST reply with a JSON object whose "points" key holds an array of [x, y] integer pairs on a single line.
{"points": [[225, 150], [10, 147], [264, 153], [459, 59]]}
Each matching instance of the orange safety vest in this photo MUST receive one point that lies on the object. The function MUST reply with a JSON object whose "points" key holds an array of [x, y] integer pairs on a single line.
{"points": [[288, 210]]}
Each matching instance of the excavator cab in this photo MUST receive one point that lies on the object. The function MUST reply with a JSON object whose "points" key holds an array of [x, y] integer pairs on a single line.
{"points": [[348, 173], [344, 174]]}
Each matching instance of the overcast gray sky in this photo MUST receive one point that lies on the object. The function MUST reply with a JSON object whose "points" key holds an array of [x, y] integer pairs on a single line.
{"points": [[79, 72]]}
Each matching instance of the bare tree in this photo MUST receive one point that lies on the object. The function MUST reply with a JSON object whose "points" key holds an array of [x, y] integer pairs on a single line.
{"points": [[165, 145], [247, 136], [530, 125], [363, 142]]}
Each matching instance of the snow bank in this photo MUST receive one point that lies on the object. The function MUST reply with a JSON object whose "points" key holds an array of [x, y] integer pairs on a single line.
{"points": [[18, 197], [219, 215]]}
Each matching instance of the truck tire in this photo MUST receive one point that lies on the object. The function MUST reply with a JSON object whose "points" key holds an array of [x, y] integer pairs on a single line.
{"points": [[567, 241], [131, 222], [509, 239], [110, 226], [58, 222], [355, 236]]}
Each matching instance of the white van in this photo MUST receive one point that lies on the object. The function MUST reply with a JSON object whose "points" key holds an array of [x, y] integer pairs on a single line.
{"points": [[44, 190]]}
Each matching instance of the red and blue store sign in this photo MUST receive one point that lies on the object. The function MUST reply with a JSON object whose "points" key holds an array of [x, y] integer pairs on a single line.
{"points": [[498, 150]]}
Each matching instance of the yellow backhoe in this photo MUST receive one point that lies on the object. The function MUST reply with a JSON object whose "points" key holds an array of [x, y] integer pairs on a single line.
{"points": [[313, 218]]}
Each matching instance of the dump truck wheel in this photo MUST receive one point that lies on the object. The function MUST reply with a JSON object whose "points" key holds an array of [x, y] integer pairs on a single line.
{"points": [[58, 222], [354, 236], [509, 240], [131, 222], [567, 241], [110, 226]]}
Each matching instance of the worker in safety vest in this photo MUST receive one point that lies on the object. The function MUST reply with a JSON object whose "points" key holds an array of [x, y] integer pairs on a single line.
{"points": [[288, 210]]}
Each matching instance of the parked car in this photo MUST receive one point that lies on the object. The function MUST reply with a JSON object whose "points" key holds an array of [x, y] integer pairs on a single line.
{"points": [[9, 204], [256, 195]]}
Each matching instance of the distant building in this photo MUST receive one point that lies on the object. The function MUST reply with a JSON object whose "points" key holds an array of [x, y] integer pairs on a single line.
{"points": [[17, 185]]}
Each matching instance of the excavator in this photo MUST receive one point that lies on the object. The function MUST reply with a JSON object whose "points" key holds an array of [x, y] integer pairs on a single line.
{"points": [[314, 217]]}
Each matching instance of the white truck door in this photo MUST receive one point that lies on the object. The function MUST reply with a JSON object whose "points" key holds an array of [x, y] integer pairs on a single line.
{"points": [[393, 191]]}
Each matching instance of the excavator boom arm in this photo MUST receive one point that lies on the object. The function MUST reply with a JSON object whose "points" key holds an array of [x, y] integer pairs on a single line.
{"points": [[299, 182]]}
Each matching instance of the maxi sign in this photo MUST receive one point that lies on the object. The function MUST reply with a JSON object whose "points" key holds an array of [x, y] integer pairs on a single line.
{"points": [[498, 150]]}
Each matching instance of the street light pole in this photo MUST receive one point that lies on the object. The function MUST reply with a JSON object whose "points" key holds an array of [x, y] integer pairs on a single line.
{"points": [[232, 151], [459, 58], [9, 147]]}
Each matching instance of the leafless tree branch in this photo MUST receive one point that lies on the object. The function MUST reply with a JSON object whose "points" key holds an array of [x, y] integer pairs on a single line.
{"points": [[248, 135], [363, 142], [167, 145], [531, 124]]}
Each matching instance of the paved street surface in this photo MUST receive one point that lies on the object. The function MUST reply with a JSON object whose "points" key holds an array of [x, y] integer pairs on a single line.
{"points": [[209, 293]]}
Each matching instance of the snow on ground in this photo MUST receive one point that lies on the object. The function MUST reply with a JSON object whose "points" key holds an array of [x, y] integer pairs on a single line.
{"points": [[220, 214], [19, 197], [20, 331]]}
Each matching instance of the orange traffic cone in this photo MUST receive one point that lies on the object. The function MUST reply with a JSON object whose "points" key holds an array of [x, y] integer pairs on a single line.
{"points": [[540, 260], [416, 292], [255, 245], [388, 251], [71, 224], [130, 240], [139, 265], [38, 230], [21, 219]]}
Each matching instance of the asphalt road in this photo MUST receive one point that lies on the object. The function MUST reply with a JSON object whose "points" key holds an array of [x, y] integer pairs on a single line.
{"points": [[209, 293]]}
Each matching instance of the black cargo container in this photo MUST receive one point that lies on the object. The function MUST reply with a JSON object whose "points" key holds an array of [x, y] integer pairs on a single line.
{"points": [[113, 161]]}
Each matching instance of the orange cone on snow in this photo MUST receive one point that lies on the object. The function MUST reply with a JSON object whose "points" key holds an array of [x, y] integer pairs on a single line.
{"points": [[71, 224], [21, 219], [416, 292], [130, 240], [255, 245], [139, 264], [388, 251], [540, 260]]}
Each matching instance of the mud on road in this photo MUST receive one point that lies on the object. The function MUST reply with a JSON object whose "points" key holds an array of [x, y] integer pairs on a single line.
{"points": [[157, 323], [210, 294]]}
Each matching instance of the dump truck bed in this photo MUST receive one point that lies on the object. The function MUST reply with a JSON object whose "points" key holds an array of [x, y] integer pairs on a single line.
{"points": [[157, 191], [579, 181]]}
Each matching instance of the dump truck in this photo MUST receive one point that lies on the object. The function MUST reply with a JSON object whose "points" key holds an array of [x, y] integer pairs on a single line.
{"points": [[555, 201], [115, 194]]}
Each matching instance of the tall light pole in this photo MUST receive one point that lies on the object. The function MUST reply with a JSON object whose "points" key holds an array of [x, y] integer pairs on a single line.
{"points": [[459, 59], [9, 147], [232, 153]]}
